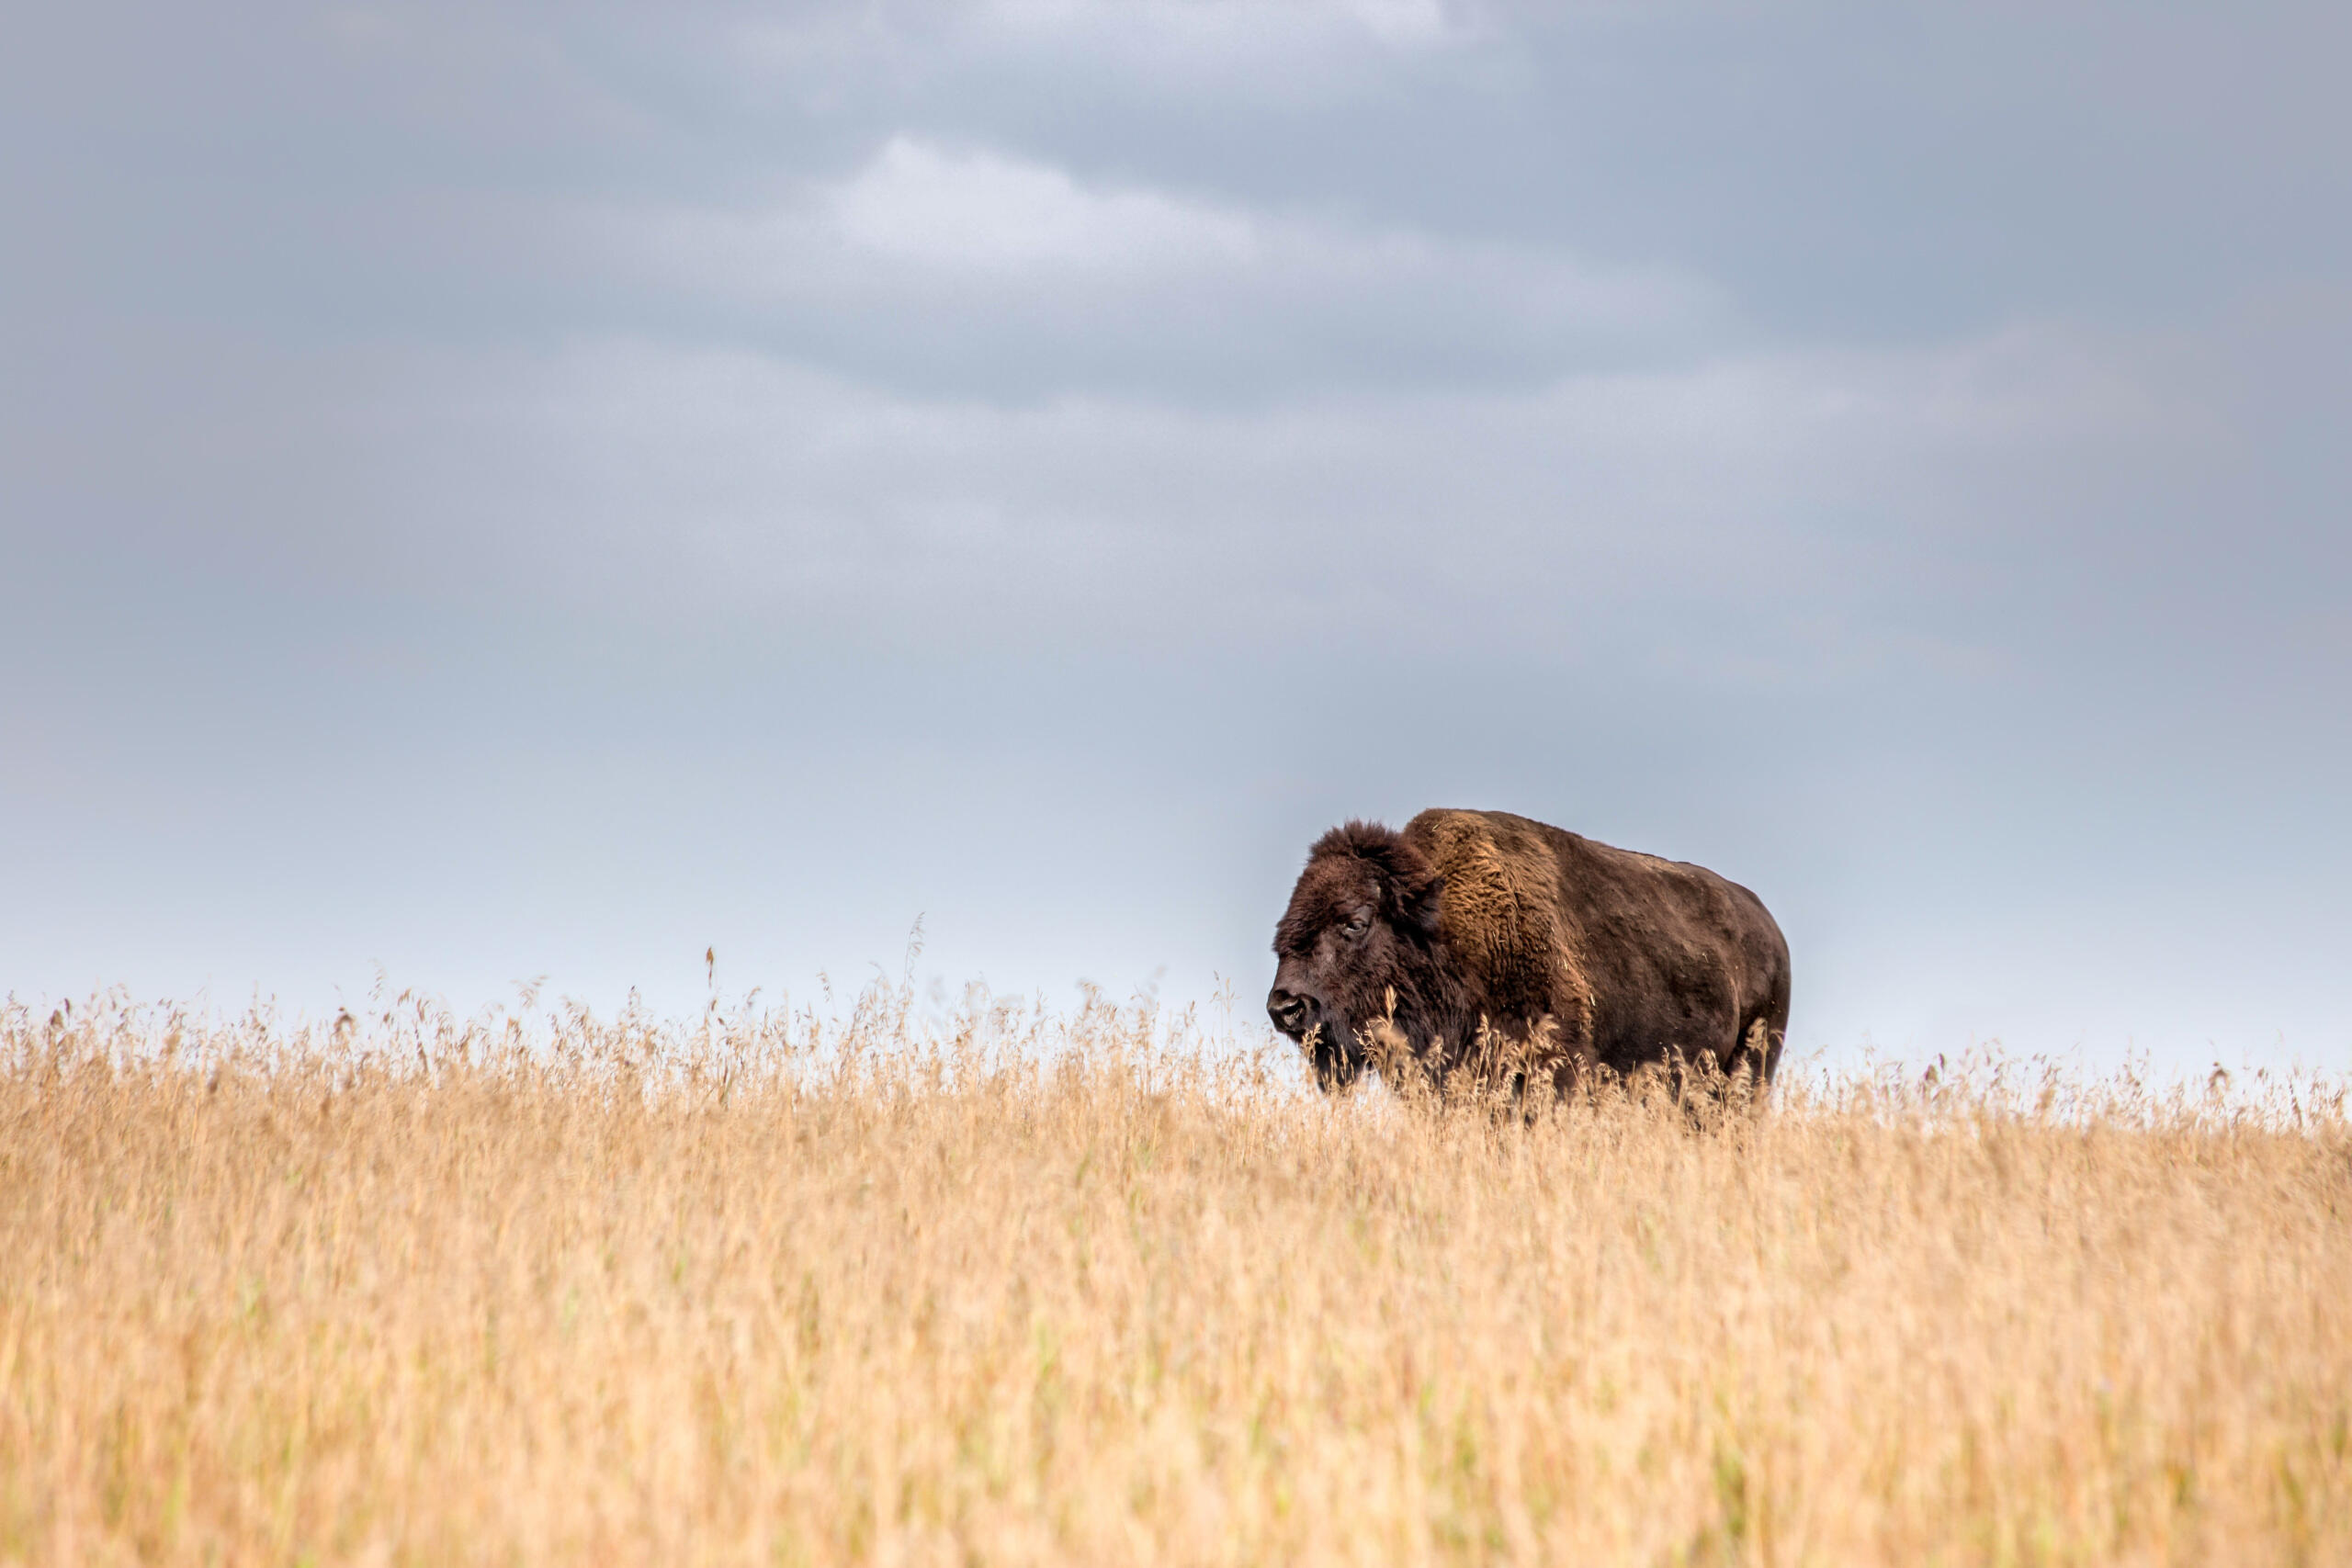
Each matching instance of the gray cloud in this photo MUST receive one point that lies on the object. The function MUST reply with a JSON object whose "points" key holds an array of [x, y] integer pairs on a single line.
{"points": [[495, 489], [969, 270]]}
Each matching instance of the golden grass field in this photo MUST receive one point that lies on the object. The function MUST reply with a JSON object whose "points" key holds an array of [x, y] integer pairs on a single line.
{"points": [[1003, 1288]]}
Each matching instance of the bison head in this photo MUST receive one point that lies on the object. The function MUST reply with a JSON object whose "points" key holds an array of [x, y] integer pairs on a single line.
{"points": [[1358, 943]]}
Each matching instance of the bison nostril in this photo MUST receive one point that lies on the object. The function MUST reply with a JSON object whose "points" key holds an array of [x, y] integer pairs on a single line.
{"points": [[1288, 1010]]}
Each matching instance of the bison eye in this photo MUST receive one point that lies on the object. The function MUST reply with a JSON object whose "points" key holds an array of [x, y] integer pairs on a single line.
{"points": [[1356, 927]]}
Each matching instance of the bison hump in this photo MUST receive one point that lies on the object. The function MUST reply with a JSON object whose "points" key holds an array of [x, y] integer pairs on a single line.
{"points": [[1504, 919]]}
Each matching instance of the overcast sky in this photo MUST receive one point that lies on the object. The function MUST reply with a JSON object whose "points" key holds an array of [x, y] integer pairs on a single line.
{"points": [[495, 491]]}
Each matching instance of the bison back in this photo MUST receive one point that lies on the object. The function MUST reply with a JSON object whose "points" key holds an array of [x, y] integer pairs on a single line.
{"points": [[1634, 959]]}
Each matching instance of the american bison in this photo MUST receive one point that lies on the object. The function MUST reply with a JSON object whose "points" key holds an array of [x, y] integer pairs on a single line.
{"points": [[1483, 943]]}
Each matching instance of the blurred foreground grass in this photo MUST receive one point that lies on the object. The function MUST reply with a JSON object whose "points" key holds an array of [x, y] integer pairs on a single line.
{"points": [[1091, 1289]]}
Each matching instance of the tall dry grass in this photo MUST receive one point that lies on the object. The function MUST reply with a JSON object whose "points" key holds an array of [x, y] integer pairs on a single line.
{"points": [[1010, 1288]]}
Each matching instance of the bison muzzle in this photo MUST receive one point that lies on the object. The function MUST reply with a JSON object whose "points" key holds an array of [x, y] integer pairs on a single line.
{"points": [[1485, 945]]}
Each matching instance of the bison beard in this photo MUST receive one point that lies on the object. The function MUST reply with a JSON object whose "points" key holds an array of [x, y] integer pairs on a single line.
{"points": [[1482, 945]]}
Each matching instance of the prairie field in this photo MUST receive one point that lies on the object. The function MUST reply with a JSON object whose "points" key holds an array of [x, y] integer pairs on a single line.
{"points": [[999, 1285]]}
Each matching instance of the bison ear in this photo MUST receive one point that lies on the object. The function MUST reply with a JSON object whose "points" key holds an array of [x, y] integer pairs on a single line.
{"points": [[1421, 905], [1410, 884]]}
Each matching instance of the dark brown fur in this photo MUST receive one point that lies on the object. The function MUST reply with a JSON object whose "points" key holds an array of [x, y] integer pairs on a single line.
{"points": [[1483, 942]]}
